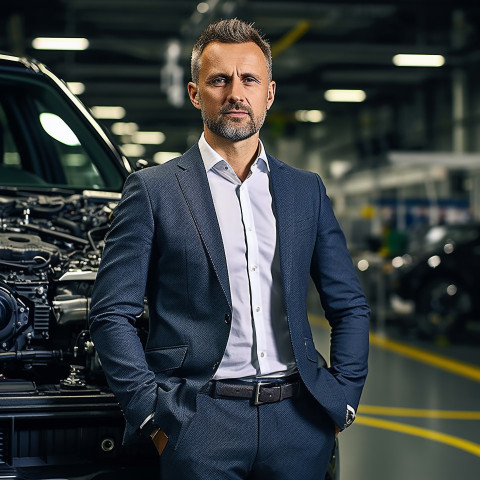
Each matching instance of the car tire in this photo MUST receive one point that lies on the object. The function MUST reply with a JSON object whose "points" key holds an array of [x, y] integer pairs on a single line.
{"points": [[442, 307]]}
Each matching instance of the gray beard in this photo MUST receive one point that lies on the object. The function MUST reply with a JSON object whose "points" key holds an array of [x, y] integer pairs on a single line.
{"points": [[226, 128]]}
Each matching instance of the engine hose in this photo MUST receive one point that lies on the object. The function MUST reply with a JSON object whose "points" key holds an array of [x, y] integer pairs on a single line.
{"points": [[54, 233], [27, 263], [29, 354]]}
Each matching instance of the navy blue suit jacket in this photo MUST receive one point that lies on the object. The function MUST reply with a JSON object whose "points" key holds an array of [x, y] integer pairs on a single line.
{"points": [[165, 242]]}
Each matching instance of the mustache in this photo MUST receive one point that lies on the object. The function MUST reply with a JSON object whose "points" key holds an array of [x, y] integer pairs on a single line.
{"points": [[238, 107]]}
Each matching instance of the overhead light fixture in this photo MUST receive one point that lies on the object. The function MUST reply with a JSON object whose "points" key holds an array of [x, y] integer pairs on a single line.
{"points": [[51, 43], [345, 95], [133, 149], [124, 128], [112, 113], [312, 116], [417, 60], [148, 138], [163, 157], [77, 88]]}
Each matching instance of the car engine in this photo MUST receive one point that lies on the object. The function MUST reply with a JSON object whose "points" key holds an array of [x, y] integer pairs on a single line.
{"points": [[50, 248]]}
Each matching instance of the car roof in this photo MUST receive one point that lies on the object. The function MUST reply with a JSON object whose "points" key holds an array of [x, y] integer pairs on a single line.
{"points": [[30, 66], [21, 63]]}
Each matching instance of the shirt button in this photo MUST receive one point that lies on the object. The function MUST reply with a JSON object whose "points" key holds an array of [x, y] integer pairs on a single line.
{"points": [[262, 354], [257, 309], [228, 319], [254, 268]]}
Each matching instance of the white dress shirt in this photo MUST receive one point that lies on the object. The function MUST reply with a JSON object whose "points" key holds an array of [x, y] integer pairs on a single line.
{"points": [[259, 342]]}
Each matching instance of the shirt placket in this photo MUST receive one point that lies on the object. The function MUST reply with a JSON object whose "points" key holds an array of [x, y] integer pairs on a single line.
{"points": [[253, 262]]}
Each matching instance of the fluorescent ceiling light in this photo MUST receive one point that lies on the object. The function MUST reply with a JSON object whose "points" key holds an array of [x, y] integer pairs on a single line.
{"points": [[112, 113], [163, 157], [345, 95], [124, 128], [415, 60], [133, 150], [148, 138], [50, 43], [77, 88], [313, 116]]}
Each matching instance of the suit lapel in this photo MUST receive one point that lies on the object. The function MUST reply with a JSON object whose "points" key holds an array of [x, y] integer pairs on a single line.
{"points": [[193, 182], [284, 210]]}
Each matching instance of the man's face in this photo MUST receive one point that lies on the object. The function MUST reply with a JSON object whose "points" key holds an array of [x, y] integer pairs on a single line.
{"points": [[233, 90]]}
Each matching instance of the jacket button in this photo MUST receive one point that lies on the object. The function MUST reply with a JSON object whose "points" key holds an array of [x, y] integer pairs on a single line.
{"points": [[228, 319]]}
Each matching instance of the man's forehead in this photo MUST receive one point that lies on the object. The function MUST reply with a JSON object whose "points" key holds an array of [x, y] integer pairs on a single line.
{"points": [[220, 55]]}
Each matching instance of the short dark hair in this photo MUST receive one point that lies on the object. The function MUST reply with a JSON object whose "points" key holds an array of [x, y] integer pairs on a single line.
{"points": [[229, 31]]}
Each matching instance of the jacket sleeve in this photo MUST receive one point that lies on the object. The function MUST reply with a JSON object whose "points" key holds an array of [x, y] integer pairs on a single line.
{"points": [[118, 300], [344, 302]]}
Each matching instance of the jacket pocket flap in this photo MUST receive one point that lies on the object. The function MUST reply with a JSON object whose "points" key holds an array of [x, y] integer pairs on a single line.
{"points": [[166, 358]]}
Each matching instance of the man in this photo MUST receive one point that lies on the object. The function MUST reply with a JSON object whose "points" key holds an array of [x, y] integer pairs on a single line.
{"points": [[223, 241]]}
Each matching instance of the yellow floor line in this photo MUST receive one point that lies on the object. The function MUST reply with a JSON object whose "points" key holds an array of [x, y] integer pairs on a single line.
{"points": [[317, 320], [462, 369], [459, 368], [418, 413], [454, 366], [450, 440]]}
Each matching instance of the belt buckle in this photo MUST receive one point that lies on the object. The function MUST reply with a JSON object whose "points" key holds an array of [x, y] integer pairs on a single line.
{"points": [[256, 398]]}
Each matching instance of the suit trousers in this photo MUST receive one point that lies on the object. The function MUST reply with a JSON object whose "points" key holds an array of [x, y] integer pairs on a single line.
{"points": [[232, 439]]}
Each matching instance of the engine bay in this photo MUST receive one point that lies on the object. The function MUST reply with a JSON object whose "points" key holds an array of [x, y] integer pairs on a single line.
{"points": [[50, 249]]}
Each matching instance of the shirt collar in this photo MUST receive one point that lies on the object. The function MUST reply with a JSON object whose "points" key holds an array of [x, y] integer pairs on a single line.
{"points": [[211, 158]]}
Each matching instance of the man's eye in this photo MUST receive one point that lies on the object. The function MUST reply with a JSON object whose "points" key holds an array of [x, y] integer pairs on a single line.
{"points": [[250, 80], [218, 81]]}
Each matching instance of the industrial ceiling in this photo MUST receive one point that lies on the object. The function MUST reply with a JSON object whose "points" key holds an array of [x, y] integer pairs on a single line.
{"points": [[133, 45]]}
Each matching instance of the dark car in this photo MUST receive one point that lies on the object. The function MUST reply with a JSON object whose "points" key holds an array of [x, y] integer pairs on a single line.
{"points": [[440, 277], [60, 179]]}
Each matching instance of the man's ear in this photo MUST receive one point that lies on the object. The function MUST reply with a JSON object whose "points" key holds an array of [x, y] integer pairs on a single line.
{"points": [[193, 94], [271, 94]]}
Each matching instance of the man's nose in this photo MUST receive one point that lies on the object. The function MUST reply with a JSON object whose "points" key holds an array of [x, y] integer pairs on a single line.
{"points": [[236, 93]]}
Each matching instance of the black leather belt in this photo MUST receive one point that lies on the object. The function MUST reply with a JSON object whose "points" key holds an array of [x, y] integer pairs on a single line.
{"points": [[259, 392]]}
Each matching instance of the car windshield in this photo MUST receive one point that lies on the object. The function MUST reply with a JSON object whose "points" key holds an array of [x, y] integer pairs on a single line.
{"points": [[45, 143]]}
